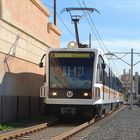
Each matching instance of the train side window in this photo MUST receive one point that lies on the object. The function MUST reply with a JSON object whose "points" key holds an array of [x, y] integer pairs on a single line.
{"points": [[107, 76], [117, 84], [99, 77], [111, 79]]}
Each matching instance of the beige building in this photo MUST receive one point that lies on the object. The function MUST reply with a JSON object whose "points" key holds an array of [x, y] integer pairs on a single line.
{"points": [[126, 80], [25, 33]]}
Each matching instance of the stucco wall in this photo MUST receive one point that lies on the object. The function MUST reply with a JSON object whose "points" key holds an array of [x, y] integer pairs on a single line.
{"points": [[14, 41], [32, 17]]}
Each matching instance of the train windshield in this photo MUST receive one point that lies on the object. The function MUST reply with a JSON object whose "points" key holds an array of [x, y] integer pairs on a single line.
{"points": [[71, 70]]}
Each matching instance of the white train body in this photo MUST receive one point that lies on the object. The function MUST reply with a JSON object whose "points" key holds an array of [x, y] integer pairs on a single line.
{"points": [[79, 77]]}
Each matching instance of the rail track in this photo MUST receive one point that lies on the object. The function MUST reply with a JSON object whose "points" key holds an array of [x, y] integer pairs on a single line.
{"points": [[57, 132]]}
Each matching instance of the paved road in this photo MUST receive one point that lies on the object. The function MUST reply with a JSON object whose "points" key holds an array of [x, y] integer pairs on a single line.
{"points": [[125, 125]]}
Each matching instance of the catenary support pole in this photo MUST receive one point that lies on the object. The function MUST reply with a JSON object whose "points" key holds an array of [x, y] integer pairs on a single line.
{"points": [[131, 89]]}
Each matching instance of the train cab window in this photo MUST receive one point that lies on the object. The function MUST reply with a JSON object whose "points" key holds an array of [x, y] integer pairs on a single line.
{"points": [[99, 77], [71, 70]]}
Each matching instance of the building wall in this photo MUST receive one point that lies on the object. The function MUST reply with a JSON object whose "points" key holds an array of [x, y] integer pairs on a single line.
{"points": [[32, 17], [126, 80], [25, 35], [19, 62], [136, 83]]}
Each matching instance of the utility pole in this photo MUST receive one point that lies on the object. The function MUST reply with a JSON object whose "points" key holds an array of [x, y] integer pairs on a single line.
{"points": [[54, 12], [131, 89]]}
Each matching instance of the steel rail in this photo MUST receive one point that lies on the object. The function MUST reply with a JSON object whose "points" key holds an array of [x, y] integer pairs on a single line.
{"points": [[21, 132], [62, 136], [72, 132]]}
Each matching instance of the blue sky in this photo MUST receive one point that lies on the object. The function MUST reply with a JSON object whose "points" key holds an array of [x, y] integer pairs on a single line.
{"points": [[118, 25]]}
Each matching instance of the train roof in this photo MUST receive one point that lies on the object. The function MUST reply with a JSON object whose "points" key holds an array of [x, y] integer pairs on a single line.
{"points": [[96, 50]]}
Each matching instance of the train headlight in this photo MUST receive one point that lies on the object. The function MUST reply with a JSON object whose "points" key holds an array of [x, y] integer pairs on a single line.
{"points": [[54, 93], [72, 44], [86, 94]]}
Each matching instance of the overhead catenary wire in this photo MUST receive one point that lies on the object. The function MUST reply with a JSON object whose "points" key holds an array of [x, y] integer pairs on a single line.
{"points": [[95, 31], [65, 25], [100, 37], [92, 28]]}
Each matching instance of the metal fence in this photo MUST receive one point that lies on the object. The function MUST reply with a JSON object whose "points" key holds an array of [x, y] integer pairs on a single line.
{"points": [[19, 107]]}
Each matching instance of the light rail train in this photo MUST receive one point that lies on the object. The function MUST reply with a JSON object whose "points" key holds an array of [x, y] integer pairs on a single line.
{"points": [[80, 81]]}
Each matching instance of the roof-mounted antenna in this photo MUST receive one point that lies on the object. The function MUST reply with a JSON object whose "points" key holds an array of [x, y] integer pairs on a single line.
{"points": [[75, 19]]}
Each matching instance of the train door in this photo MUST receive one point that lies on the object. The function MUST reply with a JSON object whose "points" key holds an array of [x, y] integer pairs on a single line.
{"points": [[100, 72]]}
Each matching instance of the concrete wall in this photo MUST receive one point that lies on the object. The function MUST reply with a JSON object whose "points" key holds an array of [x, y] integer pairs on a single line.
{"points": [[25, 34]]}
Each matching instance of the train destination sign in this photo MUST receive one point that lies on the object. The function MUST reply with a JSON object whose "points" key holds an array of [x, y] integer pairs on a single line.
{"points": [[72, 55]]}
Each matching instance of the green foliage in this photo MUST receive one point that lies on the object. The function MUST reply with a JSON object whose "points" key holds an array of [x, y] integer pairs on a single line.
{"points": [[22, 123], [0, 127], [5, 127]]}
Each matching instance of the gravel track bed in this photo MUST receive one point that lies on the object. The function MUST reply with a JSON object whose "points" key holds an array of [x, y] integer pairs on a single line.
{"points": [[125, 125], [47, 133]]}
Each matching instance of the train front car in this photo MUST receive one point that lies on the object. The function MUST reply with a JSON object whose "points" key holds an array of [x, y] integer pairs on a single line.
{"points": [[70, 81], [80, 82]]}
